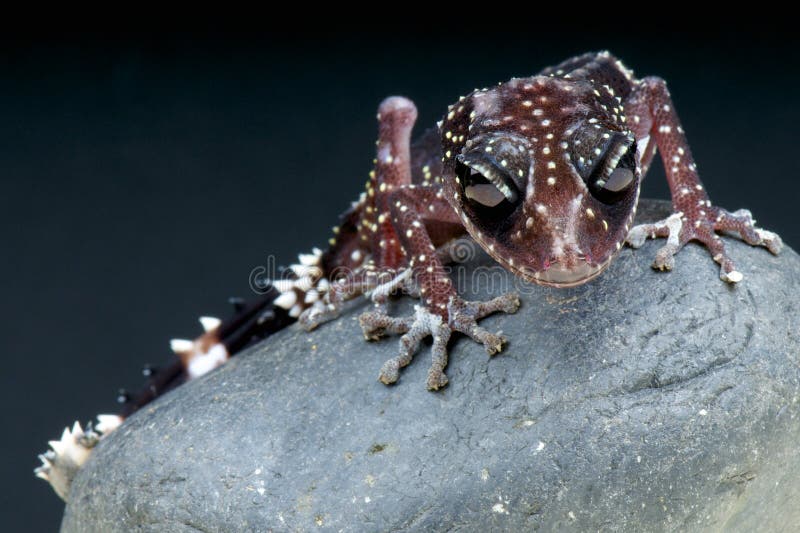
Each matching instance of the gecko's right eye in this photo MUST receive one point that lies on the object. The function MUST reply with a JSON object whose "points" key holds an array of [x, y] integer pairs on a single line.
{"points": [[490, 190]]}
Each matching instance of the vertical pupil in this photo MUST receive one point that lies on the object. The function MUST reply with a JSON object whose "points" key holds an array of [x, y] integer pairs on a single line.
{"points": [[610, 185]]}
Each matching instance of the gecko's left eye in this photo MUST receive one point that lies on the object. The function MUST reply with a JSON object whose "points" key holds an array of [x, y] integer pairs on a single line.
{"points": [[489, 189], [614, 171]]}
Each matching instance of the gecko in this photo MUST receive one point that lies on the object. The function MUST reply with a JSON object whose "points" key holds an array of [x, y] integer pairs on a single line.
{"points": [[542, 172]]}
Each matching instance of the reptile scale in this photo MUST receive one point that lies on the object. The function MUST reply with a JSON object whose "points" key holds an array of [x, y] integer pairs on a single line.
{"points": [[543, 173]]}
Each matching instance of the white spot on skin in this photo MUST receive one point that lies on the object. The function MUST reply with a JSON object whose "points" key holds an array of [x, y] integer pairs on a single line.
{"points": [[551, 181], [551, 165], [385, 154]]}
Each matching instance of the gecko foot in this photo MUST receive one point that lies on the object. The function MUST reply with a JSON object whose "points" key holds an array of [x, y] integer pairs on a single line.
{"points": [[702, 225], [463, 317]]}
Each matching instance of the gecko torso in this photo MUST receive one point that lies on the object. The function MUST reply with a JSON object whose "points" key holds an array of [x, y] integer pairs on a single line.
{"points": [[544, 173]]}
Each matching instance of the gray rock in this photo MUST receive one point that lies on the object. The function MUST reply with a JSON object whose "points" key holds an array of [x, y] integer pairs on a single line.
{"points": [[640, 401]]}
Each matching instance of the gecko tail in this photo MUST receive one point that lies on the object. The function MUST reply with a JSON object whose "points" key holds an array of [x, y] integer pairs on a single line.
{"points": [[281, 302], [67, 455]]}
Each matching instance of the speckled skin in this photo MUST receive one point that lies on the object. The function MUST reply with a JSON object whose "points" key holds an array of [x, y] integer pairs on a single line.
{"points": [[567, 150], [543, 172]]}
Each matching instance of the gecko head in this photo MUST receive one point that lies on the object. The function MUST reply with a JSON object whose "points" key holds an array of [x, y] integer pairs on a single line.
{"points": [[544, 174]]}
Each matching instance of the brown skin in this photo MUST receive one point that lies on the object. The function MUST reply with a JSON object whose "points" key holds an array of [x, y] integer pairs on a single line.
{"points": [[544, 173]]}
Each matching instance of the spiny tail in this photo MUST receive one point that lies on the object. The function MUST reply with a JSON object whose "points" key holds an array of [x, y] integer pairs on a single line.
{"points": [[304, 287], [301, 286]]}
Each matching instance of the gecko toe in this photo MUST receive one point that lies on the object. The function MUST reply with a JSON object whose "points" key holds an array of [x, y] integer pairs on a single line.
{"points": [[376, 324], [734, 276], [437, 379], [390, 372], [770, 240], [665, 258], [637, 236]]}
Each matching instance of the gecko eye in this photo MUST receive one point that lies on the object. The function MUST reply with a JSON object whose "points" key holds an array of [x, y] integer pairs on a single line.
{"points": [[490, 190], [614, 174]]}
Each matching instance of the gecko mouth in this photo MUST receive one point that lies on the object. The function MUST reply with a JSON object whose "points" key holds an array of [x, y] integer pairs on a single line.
{"points": [[560, 275]]}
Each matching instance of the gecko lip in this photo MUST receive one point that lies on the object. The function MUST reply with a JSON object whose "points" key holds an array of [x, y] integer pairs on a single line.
{"points": [[561, 275]]}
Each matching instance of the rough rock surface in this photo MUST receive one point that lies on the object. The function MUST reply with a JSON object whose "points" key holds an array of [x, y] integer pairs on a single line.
{"points": [[640, 401]]}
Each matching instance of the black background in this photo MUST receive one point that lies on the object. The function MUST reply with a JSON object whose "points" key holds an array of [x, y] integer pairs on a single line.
{"points": [[145, 175]]}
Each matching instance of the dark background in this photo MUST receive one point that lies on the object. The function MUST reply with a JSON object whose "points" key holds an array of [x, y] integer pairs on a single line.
{"points": [[144, 176]]}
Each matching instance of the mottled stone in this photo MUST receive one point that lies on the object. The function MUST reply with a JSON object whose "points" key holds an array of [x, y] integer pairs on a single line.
{"points": [[640, 401]]}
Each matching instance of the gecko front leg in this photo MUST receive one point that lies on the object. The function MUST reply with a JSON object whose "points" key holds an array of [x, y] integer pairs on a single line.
{"points": [[652, 117], [405, 212], [442, 311]]}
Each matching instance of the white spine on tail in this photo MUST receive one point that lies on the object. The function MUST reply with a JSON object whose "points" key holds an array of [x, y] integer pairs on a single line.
{"points": [[67, 455], [307, 289]]}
